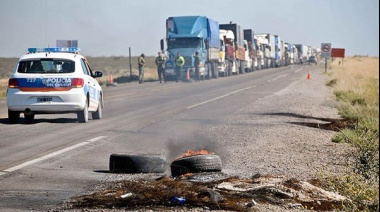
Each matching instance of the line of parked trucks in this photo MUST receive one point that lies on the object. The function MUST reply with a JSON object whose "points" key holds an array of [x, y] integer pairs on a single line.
{"points": [[227, 49]]}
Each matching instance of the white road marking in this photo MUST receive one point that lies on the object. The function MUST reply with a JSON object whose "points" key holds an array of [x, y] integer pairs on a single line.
{"points": [[221, 97], [28, 163], [277, 78], [298, 70]]}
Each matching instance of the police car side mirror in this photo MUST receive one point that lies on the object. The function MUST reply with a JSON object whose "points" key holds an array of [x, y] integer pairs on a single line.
{"points": [[98, 74]]}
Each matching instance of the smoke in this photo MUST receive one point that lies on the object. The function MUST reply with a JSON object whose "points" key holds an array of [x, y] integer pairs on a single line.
{"points": [[175, 148]]}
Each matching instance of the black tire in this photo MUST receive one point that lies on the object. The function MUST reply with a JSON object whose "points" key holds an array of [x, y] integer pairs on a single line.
{"points": [[83, 115], [136, 164], [29, 118], [13, 117], [98, 114], [196, 164], [216, 72]]}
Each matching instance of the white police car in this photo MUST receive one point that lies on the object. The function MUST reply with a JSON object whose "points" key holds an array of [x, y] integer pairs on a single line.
{"points": [[54, 81]]}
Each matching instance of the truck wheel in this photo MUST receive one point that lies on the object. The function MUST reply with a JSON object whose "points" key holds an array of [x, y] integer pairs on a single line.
{"points": [[13, 117], [83, 115], [136, 164], [196, 164], [215, 70]]}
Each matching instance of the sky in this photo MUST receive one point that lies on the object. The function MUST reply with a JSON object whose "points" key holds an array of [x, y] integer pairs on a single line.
{"points": [[110, 27]]}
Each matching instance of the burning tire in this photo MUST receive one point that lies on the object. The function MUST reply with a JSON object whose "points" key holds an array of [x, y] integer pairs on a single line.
{"points": [[196, 164], [136, 164]]}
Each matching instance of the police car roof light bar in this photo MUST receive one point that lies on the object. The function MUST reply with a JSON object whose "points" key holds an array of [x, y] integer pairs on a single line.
{"points": [[56, 50]]}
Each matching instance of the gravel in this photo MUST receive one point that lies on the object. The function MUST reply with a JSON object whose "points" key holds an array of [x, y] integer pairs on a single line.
{"points": [[270, 137]]}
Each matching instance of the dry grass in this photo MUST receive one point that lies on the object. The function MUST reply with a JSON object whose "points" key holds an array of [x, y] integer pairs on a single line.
{"points": [[356, 86], [355, 75]]}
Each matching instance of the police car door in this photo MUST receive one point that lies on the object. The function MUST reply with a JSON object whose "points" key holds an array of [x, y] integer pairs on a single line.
{"points": [[90, 87]]}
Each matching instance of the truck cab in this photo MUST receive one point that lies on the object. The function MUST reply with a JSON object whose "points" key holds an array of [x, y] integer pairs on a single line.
{"points": [[190, 34]]}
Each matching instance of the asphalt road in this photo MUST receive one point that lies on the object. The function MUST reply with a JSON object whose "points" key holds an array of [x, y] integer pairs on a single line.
{"points": [[45, 163]]}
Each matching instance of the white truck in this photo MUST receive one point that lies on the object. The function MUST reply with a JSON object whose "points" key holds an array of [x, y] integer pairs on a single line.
{"points": [[268, 41], [227, 63], [303, 53]]}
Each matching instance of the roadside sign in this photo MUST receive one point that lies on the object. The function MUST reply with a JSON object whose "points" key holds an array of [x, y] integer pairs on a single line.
{"points": [[326, 50], [67, 43], [338, 53]]}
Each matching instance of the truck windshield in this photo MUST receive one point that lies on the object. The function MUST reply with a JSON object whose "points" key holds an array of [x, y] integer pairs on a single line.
{"points": [[181, 43], [43, 66]]}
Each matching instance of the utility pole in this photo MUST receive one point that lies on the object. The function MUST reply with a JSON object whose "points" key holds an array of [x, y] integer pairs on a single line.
{"points": [[130, 64]]}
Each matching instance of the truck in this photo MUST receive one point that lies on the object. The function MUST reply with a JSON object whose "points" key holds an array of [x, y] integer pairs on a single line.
{"points": [[260, 54], [278, 51], [295, 55], [268, 42], [226, 64], [289, 54], [190, 34], [263, 44], [303, 53], [252, 63], [240, 51]]}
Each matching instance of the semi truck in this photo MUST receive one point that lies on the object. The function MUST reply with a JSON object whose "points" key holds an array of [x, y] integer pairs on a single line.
{"points": [[249, 37], [240, 52], [264, 53], [190, 34], [303, 53], [278, 51], [226, 65], [269, 48]]}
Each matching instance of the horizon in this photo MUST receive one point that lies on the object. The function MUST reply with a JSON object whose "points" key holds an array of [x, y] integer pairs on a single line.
{"points": [[109, 28]]}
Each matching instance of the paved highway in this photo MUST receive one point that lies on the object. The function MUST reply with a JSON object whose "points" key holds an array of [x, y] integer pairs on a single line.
{"points": [[44, 163]]}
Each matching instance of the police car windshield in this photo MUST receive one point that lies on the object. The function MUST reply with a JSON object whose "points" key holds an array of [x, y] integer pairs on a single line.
{"points": [[46, 66]]}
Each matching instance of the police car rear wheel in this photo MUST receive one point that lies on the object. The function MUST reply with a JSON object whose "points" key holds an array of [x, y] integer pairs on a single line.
{"points": [[83, 115], [29, 118], [99, 113], [13, 117]]}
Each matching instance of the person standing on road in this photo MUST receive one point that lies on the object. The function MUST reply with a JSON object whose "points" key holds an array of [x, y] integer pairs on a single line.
{"points": [[179, 63], [141, 61], [197, 63], [160, 62]]}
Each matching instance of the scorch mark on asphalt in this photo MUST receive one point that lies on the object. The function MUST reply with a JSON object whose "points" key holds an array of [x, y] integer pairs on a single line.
{"points": [[28, 163], [220, 97]]}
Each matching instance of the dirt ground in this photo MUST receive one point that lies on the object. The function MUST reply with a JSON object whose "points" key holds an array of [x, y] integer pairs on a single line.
{"points": [[286, 135]]}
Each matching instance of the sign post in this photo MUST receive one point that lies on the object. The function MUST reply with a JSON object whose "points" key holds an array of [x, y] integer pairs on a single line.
{"points": [[326, 52]]}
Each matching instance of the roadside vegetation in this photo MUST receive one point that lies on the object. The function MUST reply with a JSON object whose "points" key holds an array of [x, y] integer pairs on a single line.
{"points": [[356, 87]]}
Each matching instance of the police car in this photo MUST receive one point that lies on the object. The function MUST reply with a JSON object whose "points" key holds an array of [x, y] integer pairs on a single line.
{"points": [[54, 81]]}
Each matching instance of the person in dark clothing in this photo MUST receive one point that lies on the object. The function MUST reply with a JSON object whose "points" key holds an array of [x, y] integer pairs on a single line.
{"points": [[197, 63], [160, 62], [141, 61]]}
